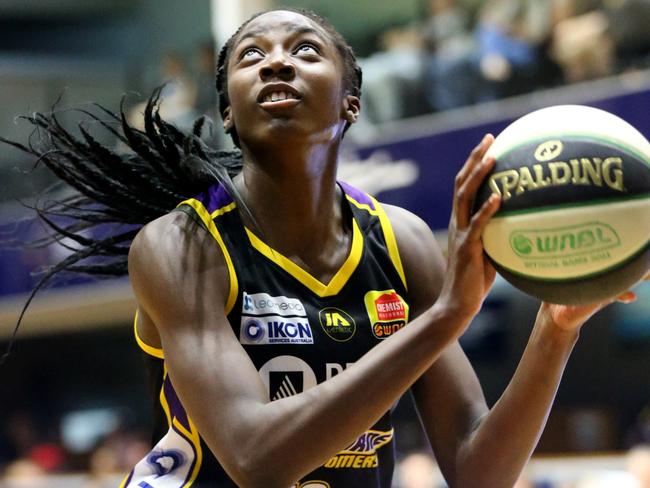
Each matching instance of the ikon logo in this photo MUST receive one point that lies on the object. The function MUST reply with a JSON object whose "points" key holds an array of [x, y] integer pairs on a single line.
{"points": [[275, 330]]}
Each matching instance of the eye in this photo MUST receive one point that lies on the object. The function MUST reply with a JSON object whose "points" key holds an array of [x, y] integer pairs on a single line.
{"points": [[250, 52], [306, 48]]}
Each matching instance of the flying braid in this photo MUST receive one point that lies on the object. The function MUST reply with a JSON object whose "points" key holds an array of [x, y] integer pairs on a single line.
{"points": [[114, 193]]}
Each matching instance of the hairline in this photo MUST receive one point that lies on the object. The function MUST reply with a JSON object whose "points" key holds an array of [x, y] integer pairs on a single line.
{"points": [[316, 29]]}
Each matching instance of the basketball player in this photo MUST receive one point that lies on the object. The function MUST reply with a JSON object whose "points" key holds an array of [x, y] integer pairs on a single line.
{"points": [[273, 307]]}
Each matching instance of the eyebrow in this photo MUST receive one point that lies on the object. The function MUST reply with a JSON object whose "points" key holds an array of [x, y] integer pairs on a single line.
{"points": [[293, 29]]}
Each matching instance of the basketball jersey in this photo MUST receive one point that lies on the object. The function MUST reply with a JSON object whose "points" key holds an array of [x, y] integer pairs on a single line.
{"points": [[298, 332]]}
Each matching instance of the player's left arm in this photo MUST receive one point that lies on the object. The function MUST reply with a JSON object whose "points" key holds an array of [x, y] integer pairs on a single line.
{"points": [[475, 445]]}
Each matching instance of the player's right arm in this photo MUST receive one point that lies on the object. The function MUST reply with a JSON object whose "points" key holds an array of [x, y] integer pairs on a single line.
{"points": [[181, 283]]}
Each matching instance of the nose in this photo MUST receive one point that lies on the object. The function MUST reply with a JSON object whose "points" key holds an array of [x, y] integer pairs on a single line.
{"points": [[277, 66]]}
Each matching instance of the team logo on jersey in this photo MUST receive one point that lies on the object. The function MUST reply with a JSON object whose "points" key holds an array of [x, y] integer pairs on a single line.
{"points": [[337, 324], [388, 312], [168, 464], [265, 304], [275, 330], [362, 453], [285, 376], [166, 461]]}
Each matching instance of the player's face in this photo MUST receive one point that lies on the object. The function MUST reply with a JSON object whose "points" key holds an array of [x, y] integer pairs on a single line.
{"points": [[285, 81]]}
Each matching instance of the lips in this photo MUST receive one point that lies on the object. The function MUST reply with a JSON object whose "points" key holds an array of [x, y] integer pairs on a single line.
{"points": [[278, 94]]}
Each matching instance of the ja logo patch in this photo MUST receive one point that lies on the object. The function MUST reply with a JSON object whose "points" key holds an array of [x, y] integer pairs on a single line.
{"points": [[337, 324]]}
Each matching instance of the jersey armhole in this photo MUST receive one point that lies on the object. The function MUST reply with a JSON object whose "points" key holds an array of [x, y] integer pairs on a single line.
{"points": [[156, 352], [197, 211], [391, 242]]}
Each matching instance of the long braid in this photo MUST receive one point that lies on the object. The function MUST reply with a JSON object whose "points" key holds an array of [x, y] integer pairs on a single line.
{"points": [[115, 193]]}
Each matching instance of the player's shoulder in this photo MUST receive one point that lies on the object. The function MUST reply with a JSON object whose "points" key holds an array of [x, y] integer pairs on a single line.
{"points": [[161, 231], [419, 251], [166, 238], [406, 224]]}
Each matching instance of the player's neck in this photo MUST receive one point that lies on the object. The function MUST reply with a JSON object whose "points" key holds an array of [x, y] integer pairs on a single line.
{"points": [[294, 198]]}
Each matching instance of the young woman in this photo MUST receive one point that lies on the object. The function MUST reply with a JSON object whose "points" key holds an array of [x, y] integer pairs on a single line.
{"points": [[273, 307]]}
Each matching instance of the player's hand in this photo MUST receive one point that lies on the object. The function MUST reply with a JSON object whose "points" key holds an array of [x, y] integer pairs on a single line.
{"points": [[571, 317], [469, 274]]}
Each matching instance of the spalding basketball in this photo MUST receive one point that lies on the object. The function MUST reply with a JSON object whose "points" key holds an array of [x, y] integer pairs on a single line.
{"points": [[574, 221]]}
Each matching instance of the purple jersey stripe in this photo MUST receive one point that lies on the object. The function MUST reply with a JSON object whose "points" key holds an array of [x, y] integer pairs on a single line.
{"points": [[175, 407], [214, 197], [358, 195]]}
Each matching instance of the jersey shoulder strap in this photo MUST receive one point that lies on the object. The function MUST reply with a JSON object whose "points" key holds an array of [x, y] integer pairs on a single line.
{"points": [[368, 211], [205, 209]]}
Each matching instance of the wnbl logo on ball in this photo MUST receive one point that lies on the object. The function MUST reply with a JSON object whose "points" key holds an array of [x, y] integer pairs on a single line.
{"points": [[273, 320]]}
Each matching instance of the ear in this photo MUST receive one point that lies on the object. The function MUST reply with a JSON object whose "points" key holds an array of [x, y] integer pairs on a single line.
{"points": [[228, 122], [351, 108]]}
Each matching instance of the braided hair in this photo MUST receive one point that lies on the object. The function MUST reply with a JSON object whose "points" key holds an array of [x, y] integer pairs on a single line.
{"points": [[123, 191]]}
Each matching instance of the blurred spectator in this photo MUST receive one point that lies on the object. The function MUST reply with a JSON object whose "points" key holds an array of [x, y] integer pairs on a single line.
{"points": [[505, 57], [206, 92], [417, 470], [104, 465], [393, 77], [448, 40], [127, 449], [640, 431], [24, 473], [510, 36], [20, 436], [638, 464], [178, 97], [594, 39], [48, 456]]}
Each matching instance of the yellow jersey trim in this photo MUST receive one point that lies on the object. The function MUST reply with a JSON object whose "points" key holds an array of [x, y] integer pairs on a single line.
{"points": [[156, 352], [192, 435], [337, 282], [207, 219], [123, 483], [389, 235]]}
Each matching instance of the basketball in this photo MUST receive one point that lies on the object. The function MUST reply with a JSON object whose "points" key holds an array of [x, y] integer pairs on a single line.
{"points": [[574, 221]]}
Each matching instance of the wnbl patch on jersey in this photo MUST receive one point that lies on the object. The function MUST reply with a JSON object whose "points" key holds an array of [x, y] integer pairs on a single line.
{"points": [[266, 319]]}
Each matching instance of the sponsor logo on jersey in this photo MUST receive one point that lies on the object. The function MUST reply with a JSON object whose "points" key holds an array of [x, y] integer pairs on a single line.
{"points": [[275, 330], [362, 453], [388, 312], [337, 324], [285, 376], [332, 369], [257, 304]]}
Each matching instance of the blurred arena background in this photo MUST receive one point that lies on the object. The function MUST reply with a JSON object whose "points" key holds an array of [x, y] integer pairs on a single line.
{"points": [[74, 410]]}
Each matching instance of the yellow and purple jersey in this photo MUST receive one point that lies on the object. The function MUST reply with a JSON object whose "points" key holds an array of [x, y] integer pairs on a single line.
{"points": [[297, 331]]}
